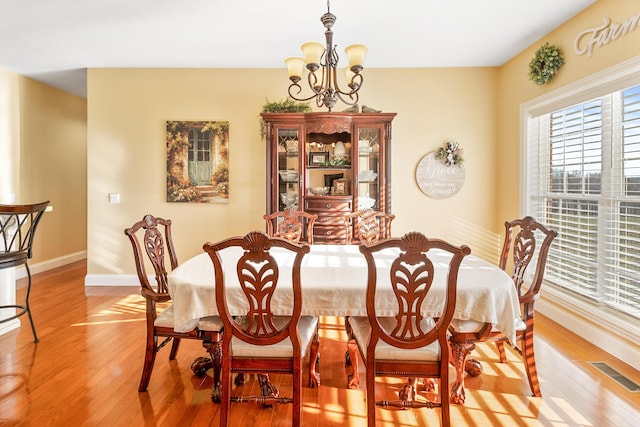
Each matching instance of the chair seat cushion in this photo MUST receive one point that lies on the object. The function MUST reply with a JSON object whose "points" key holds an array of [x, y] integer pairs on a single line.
{"points": [[306, 327], [475, 326], [210, 323], [164, 319], [362, 331]]}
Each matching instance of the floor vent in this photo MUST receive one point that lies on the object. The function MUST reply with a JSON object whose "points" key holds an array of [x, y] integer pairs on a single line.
{"points": [[617, 376]]}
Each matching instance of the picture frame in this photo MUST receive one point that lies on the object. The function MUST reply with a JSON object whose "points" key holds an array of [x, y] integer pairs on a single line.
{"points": [[339, 187], [318, 158], [197, 161]]}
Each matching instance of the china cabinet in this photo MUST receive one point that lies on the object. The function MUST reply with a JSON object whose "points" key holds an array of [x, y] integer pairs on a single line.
{"points": [[330, 164]]}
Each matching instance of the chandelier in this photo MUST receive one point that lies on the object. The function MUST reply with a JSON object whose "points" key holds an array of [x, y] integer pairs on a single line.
{"points": [[321, 63]]}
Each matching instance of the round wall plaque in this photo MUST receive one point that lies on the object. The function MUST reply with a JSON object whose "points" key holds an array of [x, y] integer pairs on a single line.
{"points": [[437, 180]]}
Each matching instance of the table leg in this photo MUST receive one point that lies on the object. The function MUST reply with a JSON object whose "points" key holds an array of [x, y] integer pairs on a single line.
{"points": [[202, 363], [408, 391], [314, 360], [473, 367], [267, 390], [459, 354]]}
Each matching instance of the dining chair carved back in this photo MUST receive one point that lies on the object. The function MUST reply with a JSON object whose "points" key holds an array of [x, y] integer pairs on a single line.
{"points": [[407, 344], [518, 257], [18, 225], [291, 224], [152, 245], [368, 226], [259, 340], [524, 256]]}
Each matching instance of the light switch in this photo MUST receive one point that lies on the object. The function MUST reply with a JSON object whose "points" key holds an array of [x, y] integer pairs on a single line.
{"points": [[114, 197]]}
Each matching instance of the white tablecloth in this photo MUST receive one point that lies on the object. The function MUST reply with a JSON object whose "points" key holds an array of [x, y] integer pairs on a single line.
{"points": [[334, 282]]}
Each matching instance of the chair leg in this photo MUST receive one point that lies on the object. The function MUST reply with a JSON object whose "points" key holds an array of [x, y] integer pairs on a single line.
{"points": [[371, 395], [351, 365], [149, 360], [174, 348], [445, 399], [296, 412], [225, 398], [530, 363], [503, 354], [33, 327]]}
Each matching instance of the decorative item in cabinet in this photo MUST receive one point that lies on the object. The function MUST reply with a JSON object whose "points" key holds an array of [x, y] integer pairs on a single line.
{"points": [[288, 175], [340, 187], [367, 175], [318, 158], [291, 146], [289, 200]]}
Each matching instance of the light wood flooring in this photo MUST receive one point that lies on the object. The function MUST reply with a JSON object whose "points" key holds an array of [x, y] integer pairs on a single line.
{"points": [[86, 368]]}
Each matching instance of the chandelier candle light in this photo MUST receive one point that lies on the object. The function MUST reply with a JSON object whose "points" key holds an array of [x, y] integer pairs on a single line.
{"points": [[316, 56]]}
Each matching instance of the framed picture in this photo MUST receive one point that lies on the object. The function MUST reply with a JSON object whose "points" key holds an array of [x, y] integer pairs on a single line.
{"points": [[318, 158], [197, 161], [339, 187]]}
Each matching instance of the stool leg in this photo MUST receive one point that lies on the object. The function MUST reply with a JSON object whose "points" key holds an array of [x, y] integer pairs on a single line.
{"points": [[33, 328]]}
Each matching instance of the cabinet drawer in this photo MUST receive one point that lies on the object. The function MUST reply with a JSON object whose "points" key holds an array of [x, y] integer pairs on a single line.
{"points": [[330, 219], [329, 234], [324, 204]]}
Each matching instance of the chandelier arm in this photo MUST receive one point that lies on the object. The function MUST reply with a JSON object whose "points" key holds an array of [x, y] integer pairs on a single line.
{"points": [[354, 85], [353, 96], [293, 96]]}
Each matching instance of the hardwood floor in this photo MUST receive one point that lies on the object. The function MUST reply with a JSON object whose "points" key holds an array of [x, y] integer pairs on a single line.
{"points": [[86, 369]]}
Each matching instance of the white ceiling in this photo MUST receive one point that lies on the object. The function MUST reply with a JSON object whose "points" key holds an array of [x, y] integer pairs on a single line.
{"points": [[55, 41]]}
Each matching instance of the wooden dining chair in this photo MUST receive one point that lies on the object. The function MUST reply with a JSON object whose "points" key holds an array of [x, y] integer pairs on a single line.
{"points": [[259, 340], [291, 224], [18, 225], [368, 225], [153, 245], [519, 252], [408, 344]]}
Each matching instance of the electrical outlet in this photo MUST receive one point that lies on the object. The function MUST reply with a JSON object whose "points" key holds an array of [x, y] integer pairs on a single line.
{"points": [[114, 197]]}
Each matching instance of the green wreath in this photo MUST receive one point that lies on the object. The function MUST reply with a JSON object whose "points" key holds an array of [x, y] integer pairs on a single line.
{"points": [[545, 64]]}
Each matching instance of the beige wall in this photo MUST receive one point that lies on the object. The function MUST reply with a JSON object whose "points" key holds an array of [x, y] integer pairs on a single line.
{"points": [[53, 167], [45, 146], [127, 110], [515, 89]]}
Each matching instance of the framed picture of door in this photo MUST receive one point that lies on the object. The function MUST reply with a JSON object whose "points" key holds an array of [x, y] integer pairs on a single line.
{"points": [[197, 161]]}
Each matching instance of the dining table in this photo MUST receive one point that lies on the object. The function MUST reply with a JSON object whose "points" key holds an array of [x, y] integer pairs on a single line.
{"points": [[334, 283]]}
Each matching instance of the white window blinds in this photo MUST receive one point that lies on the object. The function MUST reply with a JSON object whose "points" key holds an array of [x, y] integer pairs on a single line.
{"points": [[622, 254], [583, 175]]}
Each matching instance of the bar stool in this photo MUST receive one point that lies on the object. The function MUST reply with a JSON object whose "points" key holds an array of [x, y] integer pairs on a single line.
{"points": [[17, 227]]}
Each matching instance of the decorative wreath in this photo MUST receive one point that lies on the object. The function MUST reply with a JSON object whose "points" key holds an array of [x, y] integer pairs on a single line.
{"points": [[545, 64], [450, 154]]}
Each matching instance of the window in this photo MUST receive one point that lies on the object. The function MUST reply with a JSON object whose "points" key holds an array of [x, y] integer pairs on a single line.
{"points": [[583, 180]]}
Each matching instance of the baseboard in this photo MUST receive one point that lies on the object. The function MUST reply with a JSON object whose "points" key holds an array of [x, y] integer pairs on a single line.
{"points": [[21, 271], [111, 280], [10, 325], [610, 331]]}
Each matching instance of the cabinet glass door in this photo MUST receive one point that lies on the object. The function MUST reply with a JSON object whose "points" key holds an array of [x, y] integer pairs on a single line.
{"points": [[288, 168], [368, 174]]}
